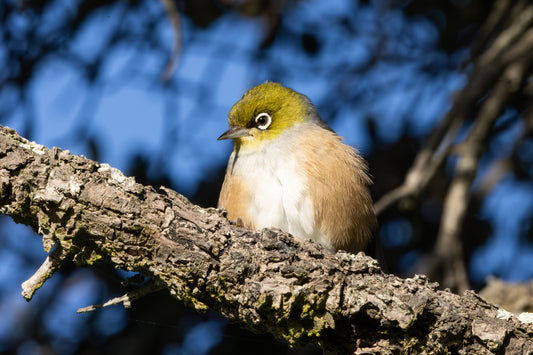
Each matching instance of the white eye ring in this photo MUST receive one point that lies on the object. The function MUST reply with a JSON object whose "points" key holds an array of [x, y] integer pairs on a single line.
{"points": [[263, 121]]}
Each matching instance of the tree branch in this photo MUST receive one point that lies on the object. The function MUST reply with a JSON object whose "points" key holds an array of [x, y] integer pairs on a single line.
{"points": [[268, 280]]}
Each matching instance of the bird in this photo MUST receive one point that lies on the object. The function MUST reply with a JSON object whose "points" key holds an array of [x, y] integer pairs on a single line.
{"points": [[289, 170]]}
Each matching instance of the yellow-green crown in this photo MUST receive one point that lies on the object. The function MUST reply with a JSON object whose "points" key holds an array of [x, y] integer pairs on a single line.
{"points": [[284, 106]]}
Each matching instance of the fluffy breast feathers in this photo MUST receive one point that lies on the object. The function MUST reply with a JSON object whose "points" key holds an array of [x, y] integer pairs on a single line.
{"points": [[308, 183]]}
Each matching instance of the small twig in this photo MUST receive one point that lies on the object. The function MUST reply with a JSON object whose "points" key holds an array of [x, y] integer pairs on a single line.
{"points": [[126, 299], [174, 18], [51, 264]]}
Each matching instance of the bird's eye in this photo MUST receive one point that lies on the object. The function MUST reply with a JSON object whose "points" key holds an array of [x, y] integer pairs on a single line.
{"points": [[263, 121]]}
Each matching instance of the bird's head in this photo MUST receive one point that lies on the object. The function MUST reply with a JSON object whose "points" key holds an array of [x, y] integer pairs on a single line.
{"points": [[265, 112]]}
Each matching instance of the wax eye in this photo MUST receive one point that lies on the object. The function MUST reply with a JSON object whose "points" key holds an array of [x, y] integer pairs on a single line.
{"points": [[263, 121]]}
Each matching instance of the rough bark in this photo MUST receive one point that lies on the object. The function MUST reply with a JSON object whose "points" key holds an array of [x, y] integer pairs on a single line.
{"points": [[268, 280]]}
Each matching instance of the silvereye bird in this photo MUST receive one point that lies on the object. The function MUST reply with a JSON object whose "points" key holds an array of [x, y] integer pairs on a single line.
{"points": [[289, 170]]}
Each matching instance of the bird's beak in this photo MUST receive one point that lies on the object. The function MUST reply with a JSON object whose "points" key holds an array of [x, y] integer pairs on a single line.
{"points": [[235, 132]]}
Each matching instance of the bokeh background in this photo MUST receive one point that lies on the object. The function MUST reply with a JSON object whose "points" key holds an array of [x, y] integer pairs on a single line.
{"points": [[93, 77]]}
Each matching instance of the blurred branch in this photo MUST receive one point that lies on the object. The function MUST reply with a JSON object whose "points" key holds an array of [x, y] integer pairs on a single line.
{"points": [[448, 250], [513, 44], [502, 61], [509, 54], [267, 281], [430, 158], [173, 16]]}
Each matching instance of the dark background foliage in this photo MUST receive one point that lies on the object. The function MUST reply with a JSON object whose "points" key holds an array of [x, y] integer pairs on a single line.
{"points": [[94, 77]]}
